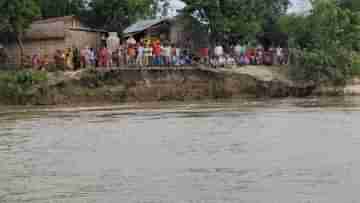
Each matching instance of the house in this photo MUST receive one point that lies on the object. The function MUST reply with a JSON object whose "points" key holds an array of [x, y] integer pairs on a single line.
{"points": [[47, 36], [183, 31]]}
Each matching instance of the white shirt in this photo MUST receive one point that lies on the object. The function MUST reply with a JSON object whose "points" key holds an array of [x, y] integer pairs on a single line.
{"points": [[230, 61], [178, 52], [222, 60], [237, 50], [219, 51], [140, 51], [148, 51], [167, 51]]}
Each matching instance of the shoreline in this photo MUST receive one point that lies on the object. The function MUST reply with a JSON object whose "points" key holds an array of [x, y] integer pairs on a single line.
{"points": [[88, 87]]}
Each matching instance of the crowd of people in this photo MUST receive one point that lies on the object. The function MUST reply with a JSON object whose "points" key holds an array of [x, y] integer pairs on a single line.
{"points": [[155, 53], [248, 55]]}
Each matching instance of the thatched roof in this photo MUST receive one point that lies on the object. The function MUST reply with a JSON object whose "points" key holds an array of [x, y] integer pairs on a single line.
{"points": [[54, 28], [46, 30], [56, 19]]}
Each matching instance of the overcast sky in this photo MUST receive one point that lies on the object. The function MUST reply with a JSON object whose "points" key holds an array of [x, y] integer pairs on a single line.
{"points": [[297, 5]]}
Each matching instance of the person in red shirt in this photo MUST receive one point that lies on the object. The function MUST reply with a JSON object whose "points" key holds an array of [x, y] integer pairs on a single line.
{"points": [[204, 54], [157, 53]]}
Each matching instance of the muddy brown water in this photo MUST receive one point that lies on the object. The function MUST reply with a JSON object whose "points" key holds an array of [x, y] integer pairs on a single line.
{"points": [[281, 151]]}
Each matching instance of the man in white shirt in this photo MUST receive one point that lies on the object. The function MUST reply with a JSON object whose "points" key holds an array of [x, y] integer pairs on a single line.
{"points": [[140, 55], [279, 55], [219, 52], [167, 54]]}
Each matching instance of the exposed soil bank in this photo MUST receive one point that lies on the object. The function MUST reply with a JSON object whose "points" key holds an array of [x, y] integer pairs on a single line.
{"points": [[160, 84], [352, 88]]}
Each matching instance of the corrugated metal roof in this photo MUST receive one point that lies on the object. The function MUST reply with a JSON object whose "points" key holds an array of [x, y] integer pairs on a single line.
{"points": [[143, 25]]}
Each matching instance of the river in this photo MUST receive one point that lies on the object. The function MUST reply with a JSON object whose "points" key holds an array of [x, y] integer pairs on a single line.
{"points": [[265, 151]]}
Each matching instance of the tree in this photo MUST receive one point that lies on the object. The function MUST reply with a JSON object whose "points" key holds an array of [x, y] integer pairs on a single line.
{"points": [[328, 39], [116, 15], [353, 5], [55, 8], [236, 17], [17, 15], [165, 7]]}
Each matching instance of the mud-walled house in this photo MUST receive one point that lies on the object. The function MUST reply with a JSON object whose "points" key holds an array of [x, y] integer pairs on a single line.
{"points": [[183, 31], [45, 37]]}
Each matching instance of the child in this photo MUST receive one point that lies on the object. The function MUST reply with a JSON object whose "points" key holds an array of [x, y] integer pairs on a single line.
{"points": [[230, 60]]}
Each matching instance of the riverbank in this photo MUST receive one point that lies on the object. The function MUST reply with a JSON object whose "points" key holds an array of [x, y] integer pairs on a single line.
{"points": [[154, 84]]}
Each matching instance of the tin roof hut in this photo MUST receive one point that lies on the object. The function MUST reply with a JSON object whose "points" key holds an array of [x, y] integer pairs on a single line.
{"points": [[47, 36], [181, 30]]}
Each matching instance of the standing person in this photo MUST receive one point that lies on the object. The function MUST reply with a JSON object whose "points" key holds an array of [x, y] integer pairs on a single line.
{"points": [[279, 56], [178, 55], [173, 55], [87, 56], [109, 57], [69, 59], [162, 54], [140, 54], [219, 52], [147, 54], [131, 54], [237, 52], [167, 54], [272, 56], [101, 57], [35, 61], [92, 57], [59, 59], [115, 58], [243, 49], [230, 60], [157, 53], [259, 56], [76, 58], [122, 54], [204, 54], [83, 58], [252, 56], [131, 50]]}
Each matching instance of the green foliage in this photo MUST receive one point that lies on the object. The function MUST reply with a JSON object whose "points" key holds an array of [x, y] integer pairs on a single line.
{"points": [[55, 8], [236, 17], [17, 86], [353, 5], [327, 39], [355, 70], [116, 15], [18, 14], [320, 66]]}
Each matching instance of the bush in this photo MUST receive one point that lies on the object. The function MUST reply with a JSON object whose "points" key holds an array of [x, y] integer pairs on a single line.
{"points": [[355, 68], [17, 86], [324, 44], [321, 66]]}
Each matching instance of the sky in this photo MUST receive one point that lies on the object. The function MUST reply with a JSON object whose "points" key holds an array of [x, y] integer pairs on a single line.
{"points": [[297, 5]]}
